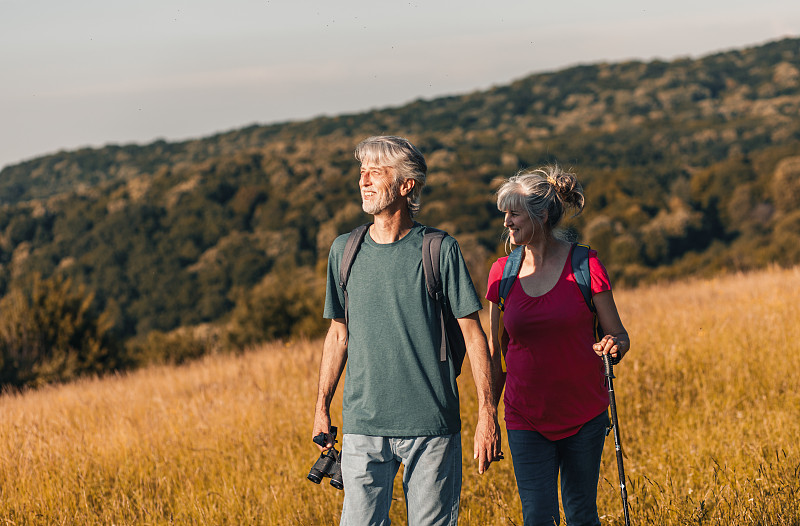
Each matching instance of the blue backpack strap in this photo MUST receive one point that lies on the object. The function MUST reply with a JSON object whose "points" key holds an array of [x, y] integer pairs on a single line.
{"points": [[580, 269], [431, 250], [510, 271], [583, 278], [354, 241]]}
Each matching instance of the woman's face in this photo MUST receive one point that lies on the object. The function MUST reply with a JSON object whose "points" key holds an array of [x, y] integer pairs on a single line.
{"points": [[520, 226]]}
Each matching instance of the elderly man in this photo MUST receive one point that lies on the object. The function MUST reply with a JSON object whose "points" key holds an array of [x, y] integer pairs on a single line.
{"points": [[400, 399]]}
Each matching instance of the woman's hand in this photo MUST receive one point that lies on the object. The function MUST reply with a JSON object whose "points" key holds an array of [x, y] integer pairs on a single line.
{"points": [[614, 345]]}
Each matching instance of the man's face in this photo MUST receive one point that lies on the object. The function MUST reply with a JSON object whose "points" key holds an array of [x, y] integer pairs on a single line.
{"points": [[378, 188]]}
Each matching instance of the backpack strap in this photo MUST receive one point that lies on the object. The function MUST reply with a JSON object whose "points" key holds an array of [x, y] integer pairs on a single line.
{"points": [[510, 271], [354, 241], [431, 250], [580, 269]]}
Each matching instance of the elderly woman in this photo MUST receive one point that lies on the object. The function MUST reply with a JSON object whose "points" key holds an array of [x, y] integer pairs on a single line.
{"points": [[555, 398]]}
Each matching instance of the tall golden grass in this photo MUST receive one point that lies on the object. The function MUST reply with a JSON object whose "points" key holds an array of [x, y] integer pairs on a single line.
{"points": [[709, 407]]}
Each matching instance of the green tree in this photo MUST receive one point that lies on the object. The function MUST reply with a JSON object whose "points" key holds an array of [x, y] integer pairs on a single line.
{"points": [[286, 304], [51, 333]]}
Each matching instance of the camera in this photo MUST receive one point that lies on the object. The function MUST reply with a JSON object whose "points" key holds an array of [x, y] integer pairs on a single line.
{"points": [[328, 464]]}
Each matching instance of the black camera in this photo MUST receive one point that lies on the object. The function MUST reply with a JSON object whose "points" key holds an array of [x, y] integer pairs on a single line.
{"points": [[328, 464]]}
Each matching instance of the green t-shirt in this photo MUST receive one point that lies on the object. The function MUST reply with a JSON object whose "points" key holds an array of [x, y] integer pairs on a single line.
{"points": [[395, 384]]}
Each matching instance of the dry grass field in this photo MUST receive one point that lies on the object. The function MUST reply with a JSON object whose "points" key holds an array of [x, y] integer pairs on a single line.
{"points": [[709, 405]]}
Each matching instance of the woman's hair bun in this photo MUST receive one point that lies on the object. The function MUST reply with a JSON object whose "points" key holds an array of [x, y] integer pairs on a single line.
{"points": [[567, 187]]}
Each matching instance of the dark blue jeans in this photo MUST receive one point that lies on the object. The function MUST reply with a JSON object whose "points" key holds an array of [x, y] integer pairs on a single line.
{"points": [[537, 462]]}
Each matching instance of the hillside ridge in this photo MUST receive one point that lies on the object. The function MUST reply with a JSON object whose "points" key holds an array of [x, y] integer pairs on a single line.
{"points": [[691, 167]]}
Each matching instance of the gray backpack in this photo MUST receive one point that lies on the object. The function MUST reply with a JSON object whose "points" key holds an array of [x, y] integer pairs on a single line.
{"points": [[452, 340]]}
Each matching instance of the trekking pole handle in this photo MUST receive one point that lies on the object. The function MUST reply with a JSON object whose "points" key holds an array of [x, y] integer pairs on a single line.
{"points": [[609, 369]]}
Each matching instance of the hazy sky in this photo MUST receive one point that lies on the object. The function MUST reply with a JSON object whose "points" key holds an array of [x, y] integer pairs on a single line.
{"points": [[79, 73]]}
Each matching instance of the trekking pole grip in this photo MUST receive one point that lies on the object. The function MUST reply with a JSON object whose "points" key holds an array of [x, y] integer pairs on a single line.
{"points": [[609, 369]]}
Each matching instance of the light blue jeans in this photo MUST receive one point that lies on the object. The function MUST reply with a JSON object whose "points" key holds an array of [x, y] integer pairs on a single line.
{"points": [[431, 479]]}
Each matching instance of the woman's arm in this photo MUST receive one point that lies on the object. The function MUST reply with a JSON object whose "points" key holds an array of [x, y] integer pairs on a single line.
{"points": [[616, 341], [497, 344]]}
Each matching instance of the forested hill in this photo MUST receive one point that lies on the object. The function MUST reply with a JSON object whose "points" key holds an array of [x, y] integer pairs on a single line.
{"points": [[690, 166]]}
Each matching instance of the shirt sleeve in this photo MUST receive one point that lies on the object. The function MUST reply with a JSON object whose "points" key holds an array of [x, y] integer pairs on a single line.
{"points": [[456, 281], [334, 297], [495, 275], [600, 281]]}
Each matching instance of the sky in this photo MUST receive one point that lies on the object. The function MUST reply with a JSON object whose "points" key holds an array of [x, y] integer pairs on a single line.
{"points": [[77, 73]]}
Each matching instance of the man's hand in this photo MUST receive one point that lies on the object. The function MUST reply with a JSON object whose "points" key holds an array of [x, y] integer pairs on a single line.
{"points": [[487, 432], [322, 424]]}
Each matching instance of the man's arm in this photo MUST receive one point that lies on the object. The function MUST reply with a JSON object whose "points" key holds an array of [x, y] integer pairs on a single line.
{"points": [[487, 432], [334, 357]]}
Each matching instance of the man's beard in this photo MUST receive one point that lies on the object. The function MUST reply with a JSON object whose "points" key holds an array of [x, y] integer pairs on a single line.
{"points": [[385, 198]]}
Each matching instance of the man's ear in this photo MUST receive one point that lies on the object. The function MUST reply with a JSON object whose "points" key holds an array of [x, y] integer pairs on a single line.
{"points": [[407, 186]]}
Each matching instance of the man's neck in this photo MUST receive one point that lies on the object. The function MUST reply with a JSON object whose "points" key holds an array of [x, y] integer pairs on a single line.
{"points": [[388, 227]]}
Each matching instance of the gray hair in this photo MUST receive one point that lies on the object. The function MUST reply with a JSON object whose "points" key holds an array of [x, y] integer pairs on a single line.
{"points": [[403, 157], [544, 193]]}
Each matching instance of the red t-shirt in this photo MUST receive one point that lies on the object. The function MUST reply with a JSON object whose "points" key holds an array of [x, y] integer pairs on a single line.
{"points": [[555, 381]]}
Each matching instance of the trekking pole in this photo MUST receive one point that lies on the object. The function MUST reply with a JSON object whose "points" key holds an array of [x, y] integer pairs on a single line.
{"points": [[609, 372]]}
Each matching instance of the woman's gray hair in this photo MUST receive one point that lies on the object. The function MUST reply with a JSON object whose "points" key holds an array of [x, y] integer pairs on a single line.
{"points": [[403, 157], [544, 193]]}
